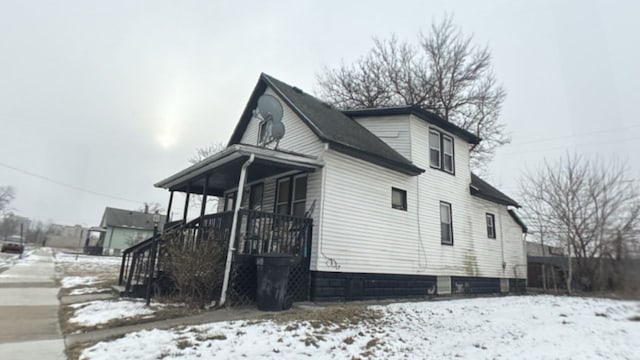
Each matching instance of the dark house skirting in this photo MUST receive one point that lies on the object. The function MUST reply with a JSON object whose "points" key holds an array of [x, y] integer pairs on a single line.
{"points": [[338, 286]]}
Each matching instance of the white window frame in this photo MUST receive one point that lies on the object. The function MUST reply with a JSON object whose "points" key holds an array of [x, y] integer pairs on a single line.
{"points": [[490, 220], [435, 147], [447, 206], [403, 193], [445, 154]]}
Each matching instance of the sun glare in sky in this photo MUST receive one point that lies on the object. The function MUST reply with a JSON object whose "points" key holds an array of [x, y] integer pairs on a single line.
{"points": [[167, 136]]}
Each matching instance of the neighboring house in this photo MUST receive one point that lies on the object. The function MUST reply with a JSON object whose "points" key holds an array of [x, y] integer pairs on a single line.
{"points": [[554, 262], [378, 203], [125, 228]]}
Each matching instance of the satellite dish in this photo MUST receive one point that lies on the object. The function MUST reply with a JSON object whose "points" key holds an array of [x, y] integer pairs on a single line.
{"points": [[277, 130], [270, 108]]}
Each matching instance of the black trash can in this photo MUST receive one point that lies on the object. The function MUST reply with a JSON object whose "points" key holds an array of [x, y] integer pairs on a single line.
{"points": [[273, 276]]}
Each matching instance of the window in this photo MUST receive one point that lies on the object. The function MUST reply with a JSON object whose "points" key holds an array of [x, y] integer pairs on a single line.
{"points": [[229, 201], [255, 196], [262, 133], [434, 148], [447, 153], [446, 224], [282, 196], [491, 226], [299, 195], [441, 154], [291, 195], [398, 199]]}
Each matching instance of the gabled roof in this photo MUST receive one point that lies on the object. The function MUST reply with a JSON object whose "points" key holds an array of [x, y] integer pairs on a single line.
{"points": [[518, 221], [483, 189], [425, 115], [343, 133], [128, 219]]}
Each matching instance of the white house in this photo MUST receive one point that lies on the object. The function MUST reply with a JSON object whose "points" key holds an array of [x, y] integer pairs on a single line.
{"points": [[378, 203]]}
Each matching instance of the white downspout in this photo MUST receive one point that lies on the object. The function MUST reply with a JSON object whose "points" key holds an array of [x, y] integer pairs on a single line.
{"points": [[232, 236]]}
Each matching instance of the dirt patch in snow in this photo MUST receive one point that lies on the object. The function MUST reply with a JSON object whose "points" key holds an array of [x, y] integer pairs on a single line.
{"points": [[337, 314]]}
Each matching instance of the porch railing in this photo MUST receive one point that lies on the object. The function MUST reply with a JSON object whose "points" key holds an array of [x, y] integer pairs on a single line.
{"points": [[269, 233], [257, 232]]}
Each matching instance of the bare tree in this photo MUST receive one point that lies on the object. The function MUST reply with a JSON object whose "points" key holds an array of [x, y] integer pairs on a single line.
{"points": [[443, 72], [206, 151], [7, 194], [201, 154], [591, 207], [151, 208]]}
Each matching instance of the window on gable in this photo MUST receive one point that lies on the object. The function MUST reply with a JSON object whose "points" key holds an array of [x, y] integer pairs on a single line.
{"points": [[398, 199], [262, 132], [491, 225], [441, 153], [434, 148], [446, 224]]}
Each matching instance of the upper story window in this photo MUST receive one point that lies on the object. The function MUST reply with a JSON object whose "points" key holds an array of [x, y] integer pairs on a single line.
{"points": [[398, 199], [441, 153], [262, 132], [491, 225], [434, 148]]}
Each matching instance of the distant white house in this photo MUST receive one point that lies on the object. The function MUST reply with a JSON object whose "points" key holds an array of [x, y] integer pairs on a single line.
{"points": [[394, 207]]}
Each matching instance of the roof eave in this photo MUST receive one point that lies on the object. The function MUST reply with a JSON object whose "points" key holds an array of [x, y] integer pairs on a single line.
{"points": [[425, 115], [507, 202], [407, 169]]}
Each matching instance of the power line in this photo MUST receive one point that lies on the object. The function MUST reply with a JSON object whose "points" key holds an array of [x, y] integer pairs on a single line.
{"points": [[70, 186], [574, 135], [566, 147]]}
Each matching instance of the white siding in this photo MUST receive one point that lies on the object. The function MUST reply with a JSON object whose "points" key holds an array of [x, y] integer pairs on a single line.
{"points": [[393, 130], [362, 233], [507, 247], [298, 136]]}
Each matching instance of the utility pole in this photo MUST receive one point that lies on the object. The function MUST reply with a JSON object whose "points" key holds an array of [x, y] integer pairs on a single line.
{"points": [[21, 239]]}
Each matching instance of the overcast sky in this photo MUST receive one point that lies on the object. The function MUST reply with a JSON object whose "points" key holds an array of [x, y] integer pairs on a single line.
{"points": [[113, 96]]}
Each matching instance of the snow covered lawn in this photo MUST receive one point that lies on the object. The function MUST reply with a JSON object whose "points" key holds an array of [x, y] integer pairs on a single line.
{"points": [[101, 312], [516, 327], [75, 281], [86, 274]]}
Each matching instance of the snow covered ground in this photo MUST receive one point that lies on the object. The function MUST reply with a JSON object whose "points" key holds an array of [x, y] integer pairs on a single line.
{"points": [[522, 327], [81, 274], [103, 311], [87, 263]]}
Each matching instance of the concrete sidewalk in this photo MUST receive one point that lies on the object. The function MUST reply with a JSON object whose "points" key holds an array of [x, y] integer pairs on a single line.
{"points": [[29, 309]]}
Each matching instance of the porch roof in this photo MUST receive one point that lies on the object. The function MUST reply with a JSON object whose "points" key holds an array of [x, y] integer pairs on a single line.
{"points": [[224, 168]]}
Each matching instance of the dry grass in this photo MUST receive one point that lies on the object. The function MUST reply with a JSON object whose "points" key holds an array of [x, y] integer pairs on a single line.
{"points": [[332, 315]]}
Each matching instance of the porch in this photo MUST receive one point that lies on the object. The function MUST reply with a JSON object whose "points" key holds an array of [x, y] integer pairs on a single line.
{"points": [[243, 226]]}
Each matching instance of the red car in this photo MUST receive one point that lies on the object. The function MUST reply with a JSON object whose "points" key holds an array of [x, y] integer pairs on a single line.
{"points": [[12, 247]]}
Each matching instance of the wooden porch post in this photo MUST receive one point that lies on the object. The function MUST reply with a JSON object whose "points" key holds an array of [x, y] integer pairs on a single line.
{"points": [[169, 207], [186, 204], [204, 197]]}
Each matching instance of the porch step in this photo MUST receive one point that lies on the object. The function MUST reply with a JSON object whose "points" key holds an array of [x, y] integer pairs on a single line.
{"points": [[118, 289]]}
